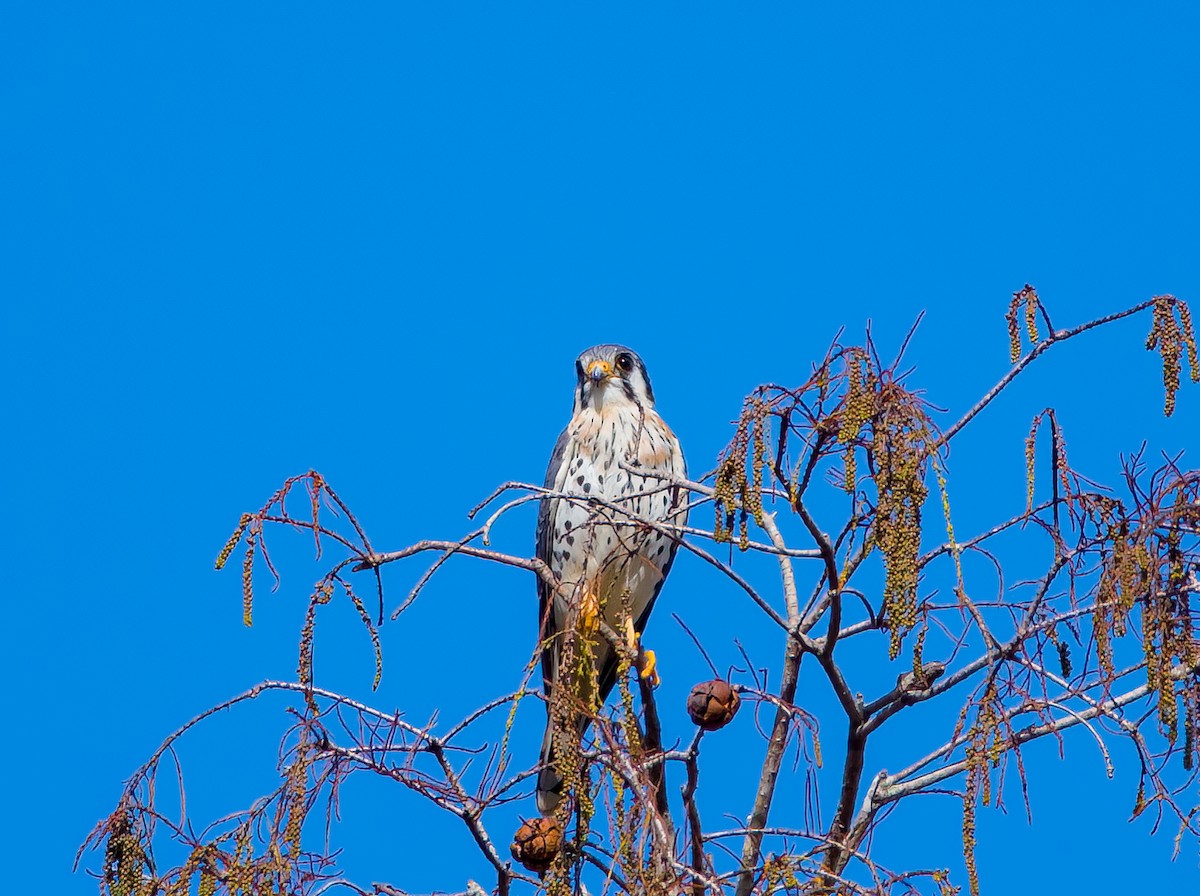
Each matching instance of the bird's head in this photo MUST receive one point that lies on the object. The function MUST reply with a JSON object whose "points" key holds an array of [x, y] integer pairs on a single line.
{"points": [[611, 375]]}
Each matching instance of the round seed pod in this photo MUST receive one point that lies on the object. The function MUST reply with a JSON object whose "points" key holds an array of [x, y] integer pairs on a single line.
{"points": [[713, 704], [536, 843]]}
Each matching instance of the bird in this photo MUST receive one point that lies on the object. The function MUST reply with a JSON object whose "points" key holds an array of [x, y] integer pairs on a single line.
{"points": [[608, 544]]}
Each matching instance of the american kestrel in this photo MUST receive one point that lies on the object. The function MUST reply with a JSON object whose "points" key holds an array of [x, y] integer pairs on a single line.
{"points": [[616, 449]]}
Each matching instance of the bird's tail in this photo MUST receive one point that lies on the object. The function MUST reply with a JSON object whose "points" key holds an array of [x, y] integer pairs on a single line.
{"points": [[549, 782]]}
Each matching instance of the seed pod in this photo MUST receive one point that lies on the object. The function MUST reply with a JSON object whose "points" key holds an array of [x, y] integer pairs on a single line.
{"points": [[536, 843], [713, 704]]}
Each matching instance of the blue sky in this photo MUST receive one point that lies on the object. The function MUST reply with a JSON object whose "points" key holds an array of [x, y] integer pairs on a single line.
{"points": [[240, 241]]}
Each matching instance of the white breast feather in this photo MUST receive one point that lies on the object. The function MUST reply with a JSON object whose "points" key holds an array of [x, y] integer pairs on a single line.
{"points": [[598, 547]]}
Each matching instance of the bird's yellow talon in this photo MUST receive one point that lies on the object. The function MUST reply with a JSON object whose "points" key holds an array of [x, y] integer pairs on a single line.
{"points": [[647, 663], [648, 667], [589, 613]]}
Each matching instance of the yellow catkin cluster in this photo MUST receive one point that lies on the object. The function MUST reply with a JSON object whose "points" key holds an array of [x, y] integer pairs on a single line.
{"points": [[625, 854], [239, 876], [1058, 447], [779, 875], [629, 815], [982, 750], [1030, 452], [207, 884], [247, 521], [1060, 456], [727, 486], [296, 795], [968, 824], [1014, 331], [996, 750], [233, 541], [1191, 724], [248, 583], [124, 857], [752, 497], [1026, 296], [859, 407], [304, 665], [316, 483], [240, 879], [945, 888], [984, 747], [557, 880], [198, 867], [900, 448], [1167, 626], [960, 585], [629, 820], [1123, 576], [1167, 631], [629, 722], [917, 661], [737, 491], [371, 631], [1127, 571], [1156, 646], [1172, 337], [1031, 326], [1101, 616], [574, 698], [1189, 338], [1168, 711]]}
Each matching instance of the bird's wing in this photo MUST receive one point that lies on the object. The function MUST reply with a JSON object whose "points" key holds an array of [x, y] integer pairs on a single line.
{"points": [[545, 546]]}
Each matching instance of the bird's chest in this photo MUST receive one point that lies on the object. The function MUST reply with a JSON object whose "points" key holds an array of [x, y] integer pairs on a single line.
{"points": [[610, 459], [613, 453]]}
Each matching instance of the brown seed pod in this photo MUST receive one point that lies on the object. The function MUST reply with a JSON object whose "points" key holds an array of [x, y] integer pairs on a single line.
{"points": [[713, 704], [536, 843]]}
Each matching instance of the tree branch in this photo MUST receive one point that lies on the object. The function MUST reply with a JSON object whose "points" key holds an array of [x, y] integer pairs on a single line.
{"points": [[1053, 338]]}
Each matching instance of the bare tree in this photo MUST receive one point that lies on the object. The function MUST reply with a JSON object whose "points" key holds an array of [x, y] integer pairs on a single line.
{"points": [[1103, 641]]}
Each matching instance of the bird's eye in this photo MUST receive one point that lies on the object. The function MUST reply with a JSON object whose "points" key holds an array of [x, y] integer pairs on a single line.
{"points": [[625, 361]]}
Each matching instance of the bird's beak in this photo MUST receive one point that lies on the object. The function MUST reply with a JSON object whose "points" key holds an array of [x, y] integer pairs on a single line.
{"points": [[599, 370]]}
